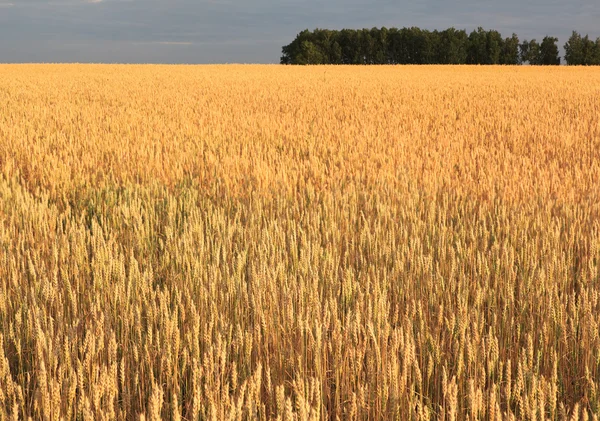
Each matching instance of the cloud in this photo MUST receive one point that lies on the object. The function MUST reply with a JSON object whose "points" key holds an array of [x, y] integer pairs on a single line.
{"points": [[180, 43], [174, 43], [251, 30]]}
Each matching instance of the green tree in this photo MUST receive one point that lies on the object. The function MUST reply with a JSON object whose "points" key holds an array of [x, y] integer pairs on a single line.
{"points": [[418, 46], [477, 50], [421, 46], [309, 54], [494, 47], [381, 55], [574, 50], [348, 44], [406, 41], [335, 53], [452, 47], [325, 41], [596, 55], [294, 49], [530, 52], [549, 52], [393, 45], [510, 51], [591, 51]]}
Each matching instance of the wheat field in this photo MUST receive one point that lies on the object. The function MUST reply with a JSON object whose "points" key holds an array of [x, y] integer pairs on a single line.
{"points": [[299, 243]]}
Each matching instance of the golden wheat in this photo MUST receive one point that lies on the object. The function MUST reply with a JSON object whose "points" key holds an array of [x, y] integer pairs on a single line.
{"points": [[277, 243]]}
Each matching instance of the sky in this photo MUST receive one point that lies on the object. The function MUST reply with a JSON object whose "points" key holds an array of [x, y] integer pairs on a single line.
{"points": [[251, 31]]}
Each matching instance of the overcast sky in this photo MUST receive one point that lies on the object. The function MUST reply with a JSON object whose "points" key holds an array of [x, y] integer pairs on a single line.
{"points": [[251, 31]]}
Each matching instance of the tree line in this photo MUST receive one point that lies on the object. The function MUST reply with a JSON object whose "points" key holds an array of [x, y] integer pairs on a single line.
{"points": [[582, 51], [420, 46]]}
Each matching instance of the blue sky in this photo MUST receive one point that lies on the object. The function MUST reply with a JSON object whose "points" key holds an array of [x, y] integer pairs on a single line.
{"points": [[250, 31]]}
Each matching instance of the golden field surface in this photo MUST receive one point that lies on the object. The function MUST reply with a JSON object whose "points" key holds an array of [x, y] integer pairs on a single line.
{"points": [[299, 243]]}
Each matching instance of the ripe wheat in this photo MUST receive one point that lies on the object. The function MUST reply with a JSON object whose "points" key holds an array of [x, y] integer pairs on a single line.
{"points": [[276, 243]]}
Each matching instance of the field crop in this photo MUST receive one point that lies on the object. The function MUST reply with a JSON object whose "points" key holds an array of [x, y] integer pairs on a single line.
{"points": [[299, 243]]}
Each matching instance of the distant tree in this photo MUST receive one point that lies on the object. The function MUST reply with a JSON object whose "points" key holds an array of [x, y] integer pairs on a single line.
{"points": [[477, 49], [524, 51], [582, 51], [574, 50], [591, 51], [549, 52], [380, 47], [292, 51], [530, 52], [310, 54], [596, 54], [420, 46], [423, 48], [406, 53], [432, 46], [494, 47], [366, 46], [336, 53], [452, 47], [325, 40], [348, 44], [485, 47], [393, 44], [510, 51]]}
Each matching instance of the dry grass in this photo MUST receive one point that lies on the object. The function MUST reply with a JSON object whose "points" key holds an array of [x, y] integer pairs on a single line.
{"points": [[255, 242]]}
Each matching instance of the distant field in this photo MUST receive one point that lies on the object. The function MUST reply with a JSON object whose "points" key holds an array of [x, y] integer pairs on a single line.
{"points": [[299, 243]]}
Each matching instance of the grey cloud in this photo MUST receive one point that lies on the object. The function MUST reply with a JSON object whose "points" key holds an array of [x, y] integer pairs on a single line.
{"points": [[208, 31]]}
